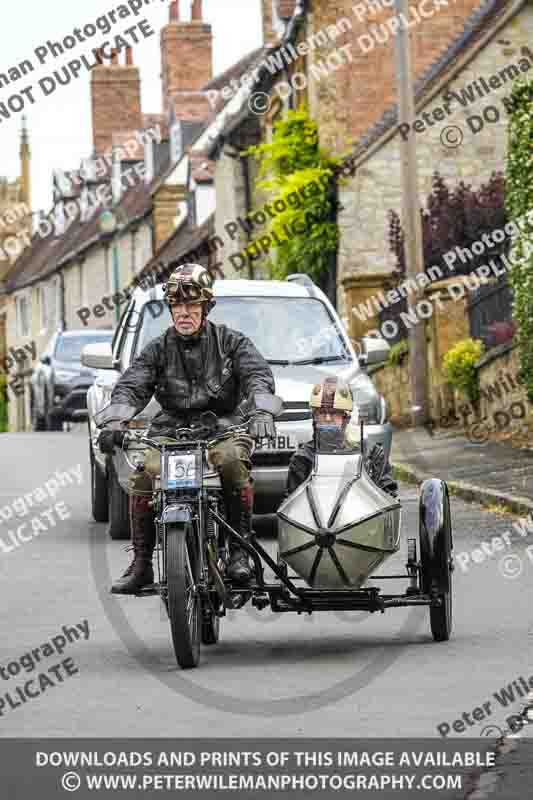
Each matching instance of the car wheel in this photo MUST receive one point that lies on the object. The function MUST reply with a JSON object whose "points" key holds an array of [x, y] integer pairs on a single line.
{"points": [[38, 422], [118, 507], [99, 489], [53, 421]]}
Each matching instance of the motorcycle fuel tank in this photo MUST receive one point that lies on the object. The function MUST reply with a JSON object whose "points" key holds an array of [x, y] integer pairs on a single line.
{"points": [[338, 526]]}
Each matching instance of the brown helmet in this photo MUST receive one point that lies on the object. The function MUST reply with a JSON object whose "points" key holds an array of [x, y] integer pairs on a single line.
{"points": [[189, 283], [332, 395]]}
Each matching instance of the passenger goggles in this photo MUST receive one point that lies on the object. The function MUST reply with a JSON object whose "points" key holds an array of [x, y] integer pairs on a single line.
{"points": [[186, 293]]}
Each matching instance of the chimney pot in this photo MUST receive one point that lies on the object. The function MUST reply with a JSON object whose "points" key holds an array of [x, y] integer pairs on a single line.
{"points": [[286, 8], [114, 57], [129, 56], [174, 11], [196, 13]]}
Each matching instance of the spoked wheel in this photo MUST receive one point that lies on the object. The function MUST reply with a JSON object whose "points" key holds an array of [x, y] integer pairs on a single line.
{"points": [[436, 557], [184, 604]]}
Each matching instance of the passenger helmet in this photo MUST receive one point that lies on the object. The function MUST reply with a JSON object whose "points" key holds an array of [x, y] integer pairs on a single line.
{"points": [[332, 395], [189, 283]]}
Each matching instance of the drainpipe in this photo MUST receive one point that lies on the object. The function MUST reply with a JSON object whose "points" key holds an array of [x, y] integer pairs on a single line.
{"points": [[247, 203], [62, 300]]}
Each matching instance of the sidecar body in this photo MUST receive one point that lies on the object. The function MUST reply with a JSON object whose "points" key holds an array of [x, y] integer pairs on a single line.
{"points": [[338, 527]]}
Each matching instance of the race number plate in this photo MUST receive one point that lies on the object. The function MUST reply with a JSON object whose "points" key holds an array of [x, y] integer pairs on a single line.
{"points": [[182, 471], [279, 443]]}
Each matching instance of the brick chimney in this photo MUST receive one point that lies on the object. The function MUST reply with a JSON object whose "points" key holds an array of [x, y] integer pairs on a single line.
{"points": [[353, 97], [275, 15], [116, 98], [187, 63]]}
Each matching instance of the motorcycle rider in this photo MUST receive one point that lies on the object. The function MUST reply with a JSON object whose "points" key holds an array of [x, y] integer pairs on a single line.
{"points": [[194, 367], [332, 403]]}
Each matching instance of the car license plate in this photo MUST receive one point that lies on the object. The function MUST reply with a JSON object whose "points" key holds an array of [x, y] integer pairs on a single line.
{"points": [[182, 471], [279, 443]]}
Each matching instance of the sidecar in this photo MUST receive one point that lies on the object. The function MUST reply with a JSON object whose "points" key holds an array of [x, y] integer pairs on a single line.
{"points": [[338, 528]]}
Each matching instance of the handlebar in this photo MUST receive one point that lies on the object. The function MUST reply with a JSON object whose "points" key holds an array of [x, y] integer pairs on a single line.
{"points": [[128, 437]]}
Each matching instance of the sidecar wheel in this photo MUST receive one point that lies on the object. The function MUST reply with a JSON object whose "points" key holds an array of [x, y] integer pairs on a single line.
{"points": [[184, 605], [436, 554], [440, 618]]}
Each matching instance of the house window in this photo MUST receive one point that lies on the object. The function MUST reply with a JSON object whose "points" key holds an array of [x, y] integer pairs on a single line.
{"points": [[24, 315]]}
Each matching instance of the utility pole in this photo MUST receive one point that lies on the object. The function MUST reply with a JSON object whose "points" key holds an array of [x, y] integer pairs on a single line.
{"points": [[414, 256]]}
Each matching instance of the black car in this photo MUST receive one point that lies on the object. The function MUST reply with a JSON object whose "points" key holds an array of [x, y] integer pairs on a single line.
{"points": [[59, 383]]}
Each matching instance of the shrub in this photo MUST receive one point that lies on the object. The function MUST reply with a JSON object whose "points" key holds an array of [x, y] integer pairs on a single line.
{"points": [[454, 217], [459, 365]]}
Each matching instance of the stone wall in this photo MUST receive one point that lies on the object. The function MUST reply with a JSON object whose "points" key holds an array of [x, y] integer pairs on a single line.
{"points": [[376, 188], [504, 409], [503, 399], [393, 384]]}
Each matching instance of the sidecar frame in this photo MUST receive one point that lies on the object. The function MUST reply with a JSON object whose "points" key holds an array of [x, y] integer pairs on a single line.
{"points": [[429, 578]]}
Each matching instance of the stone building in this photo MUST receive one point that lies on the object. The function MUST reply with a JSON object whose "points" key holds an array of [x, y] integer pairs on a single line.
{"points": [[15, 226], [491, 49], [77, 273]]}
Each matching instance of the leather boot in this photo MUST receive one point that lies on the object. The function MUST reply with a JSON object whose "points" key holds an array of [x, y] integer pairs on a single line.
{"points": [[140, 572], [239, 569]]}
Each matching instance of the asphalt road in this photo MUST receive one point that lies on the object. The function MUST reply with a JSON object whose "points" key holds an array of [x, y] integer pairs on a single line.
{"points": [[348, 674]]}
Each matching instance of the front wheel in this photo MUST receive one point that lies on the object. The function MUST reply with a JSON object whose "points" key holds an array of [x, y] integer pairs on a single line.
{"points": [[184, 604], [118, 507], [53, 422], [38, 421], [99, 494]]}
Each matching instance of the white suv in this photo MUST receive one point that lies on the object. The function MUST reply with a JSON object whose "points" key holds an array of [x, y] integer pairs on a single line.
{"points": [[293, 325]]}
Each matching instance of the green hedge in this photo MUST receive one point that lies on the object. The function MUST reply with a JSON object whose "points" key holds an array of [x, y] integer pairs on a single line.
{"points": [[519, 203]]}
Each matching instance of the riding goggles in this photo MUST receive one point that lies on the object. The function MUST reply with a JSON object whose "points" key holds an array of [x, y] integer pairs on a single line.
{"points": [[186, 293]]}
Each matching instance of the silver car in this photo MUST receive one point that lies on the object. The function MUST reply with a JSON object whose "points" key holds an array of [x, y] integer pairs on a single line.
{"points": [[294, 327]]}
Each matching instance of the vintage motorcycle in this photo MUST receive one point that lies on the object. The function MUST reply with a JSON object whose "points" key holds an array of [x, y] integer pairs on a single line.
{"points": [[335, 530]]}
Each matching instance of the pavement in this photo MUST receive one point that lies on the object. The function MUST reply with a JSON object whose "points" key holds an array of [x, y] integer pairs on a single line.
{"points": [[490, 474], [494, 473], [333, 674]]}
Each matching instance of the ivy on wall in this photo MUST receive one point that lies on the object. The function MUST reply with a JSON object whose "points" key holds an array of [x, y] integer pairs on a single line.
{"points": [[519, 201], [298, 173]]}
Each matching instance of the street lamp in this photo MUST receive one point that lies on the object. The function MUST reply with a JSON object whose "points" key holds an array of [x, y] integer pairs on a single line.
{"points": [[109, 225]]}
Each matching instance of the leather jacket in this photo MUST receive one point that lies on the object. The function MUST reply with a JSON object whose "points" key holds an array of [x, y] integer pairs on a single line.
{"points": [[217, 370]]}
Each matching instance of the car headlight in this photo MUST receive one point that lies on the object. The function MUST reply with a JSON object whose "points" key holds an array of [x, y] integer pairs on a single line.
{"points": [[64, 376]]}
